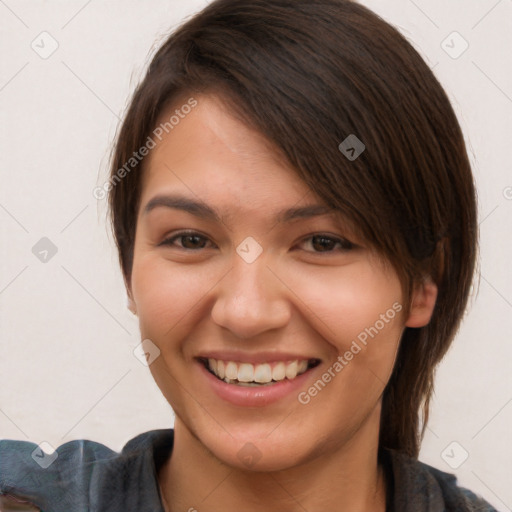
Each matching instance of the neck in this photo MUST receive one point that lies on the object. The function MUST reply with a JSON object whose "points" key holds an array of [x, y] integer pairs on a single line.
{"points": [[345, 479]]}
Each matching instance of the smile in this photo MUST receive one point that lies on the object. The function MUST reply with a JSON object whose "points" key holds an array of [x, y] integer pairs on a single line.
{"points": [[255, 375]]}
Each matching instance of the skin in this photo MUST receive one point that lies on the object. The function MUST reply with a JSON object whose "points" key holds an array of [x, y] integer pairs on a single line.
{"points": [[295, 297]]}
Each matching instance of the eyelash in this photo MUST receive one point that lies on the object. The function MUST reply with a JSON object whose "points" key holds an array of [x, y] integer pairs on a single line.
{"points": [[346, 245]]}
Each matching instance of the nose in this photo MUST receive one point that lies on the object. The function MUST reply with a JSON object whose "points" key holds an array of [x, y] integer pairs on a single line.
{"points": [[251, 299]]}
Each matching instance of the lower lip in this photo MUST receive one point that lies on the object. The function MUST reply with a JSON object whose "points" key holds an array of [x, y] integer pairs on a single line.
{"points": [[255, 396]]}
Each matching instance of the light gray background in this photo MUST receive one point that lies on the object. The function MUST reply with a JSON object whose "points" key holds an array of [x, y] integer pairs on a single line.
{"points": [[67, 369]]}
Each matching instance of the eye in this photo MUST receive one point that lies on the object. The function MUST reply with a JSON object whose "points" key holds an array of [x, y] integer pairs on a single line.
{"points": [[325, 243], [321, 243], [190, 240]]}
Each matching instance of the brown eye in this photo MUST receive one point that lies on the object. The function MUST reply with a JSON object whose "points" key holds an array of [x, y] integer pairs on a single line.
{"points": [[189, 241], [324, 243]]}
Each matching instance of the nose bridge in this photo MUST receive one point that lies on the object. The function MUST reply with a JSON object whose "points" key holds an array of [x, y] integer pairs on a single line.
{"points": [[250, 299], [250, 280]]}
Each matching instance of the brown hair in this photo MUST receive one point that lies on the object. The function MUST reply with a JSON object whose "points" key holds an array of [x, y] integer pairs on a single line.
{"points": [[306, 74]]}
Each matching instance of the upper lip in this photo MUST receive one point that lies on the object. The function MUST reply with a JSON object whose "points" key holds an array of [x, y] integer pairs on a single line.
{"points": [[255, 358]]}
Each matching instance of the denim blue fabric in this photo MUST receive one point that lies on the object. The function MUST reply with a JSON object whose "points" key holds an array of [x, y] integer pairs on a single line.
{"points": [[89, 477]]}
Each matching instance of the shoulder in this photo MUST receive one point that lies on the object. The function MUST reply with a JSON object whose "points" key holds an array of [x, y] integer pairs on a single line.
{"points": [[32, 474], [455, 496], [76, 472], [419, 486]]}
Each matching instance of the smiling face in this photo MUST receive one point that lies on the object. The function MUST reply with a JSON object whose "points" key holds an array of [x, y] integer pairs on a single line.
{"points": [[235, 289]]}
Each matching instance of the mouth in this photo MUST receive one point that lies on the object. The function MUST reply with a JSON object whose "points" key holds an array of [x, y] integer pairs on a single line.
{"points": [[257, 375]]}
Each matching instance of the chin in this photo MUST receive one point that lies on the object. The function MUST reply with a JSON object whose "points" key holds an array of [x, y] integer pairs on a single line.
{"points": [[257, 451]]}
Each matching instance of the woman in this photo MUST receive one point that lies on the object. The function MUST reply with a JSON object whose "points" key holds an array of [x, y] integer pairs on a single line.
{"points": [[295, 217]]}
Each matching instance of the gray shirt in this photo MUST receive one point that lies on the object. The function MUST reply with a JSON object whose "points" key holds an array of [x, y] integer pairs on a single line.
{"points": [[86, 476]]}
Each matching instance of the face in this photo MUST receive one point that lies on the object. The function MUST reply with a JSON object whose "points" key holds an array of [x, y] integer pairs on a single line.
{"points": [[277, 333]]}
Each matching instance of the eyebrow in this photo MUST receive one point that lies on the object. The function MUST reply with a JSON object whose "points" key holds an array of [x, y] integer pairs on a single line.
{"points": [[202, 210]]}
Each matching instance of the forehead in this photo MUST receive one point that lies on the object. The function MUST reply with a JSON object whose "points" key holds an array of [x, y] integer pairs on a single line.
{"points": [[212, 158], [210, 153]]}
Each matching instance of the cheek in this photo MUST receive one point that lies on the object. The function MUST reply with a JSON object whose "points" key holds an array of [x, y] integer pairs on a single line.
{"points": [[166, 293], [357, 310], [341, 303]]}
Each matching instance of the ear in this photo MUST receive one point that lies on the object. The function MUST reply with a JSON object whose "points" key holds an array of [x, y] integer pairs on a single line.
{"points": [[423, 302]]}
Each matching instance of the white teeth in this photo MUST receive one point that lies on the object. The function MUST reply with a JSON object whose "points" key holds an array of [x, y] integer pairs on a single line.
{"points": [[260, 374], [291, 370], [253, 384], [246, 372], [221, 371], [279, 371], [231, 371]]}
